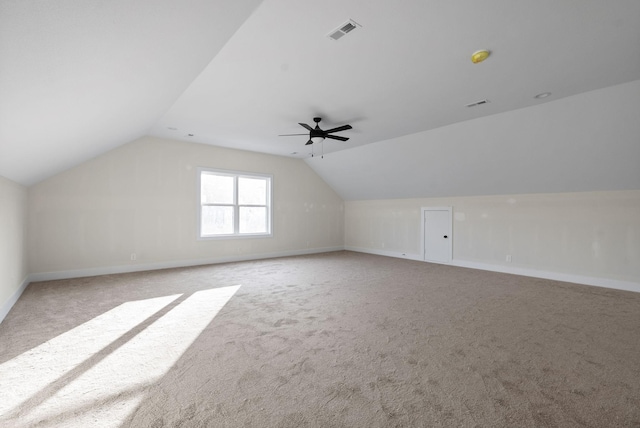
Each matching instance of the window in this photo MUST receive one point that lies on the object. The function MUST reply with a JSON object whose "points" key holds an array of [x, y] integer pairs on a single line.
{"points": [[234, 204]]}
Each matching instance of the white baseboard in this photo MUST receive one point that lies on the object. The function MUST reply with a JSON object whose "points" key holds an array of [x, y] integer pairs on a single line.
{"points": [[410, 256], [6, 306], [108, 270], [47, 276], [557, 276]]}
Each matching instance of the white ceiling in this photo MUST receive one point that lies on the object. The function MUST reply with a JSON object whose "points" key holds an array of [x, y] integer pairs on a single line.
{"points": [[80, 77], [586, 142]]}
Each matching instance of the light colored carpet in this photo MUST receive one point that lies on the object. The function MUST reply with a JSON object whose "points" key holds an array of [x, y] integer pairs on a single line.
{"points": [[332, 340]]}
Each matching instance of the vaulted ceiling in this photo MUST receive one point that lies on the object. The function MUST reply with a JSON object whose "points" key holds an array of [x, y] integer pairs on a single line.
{"points": [[81, 77]]}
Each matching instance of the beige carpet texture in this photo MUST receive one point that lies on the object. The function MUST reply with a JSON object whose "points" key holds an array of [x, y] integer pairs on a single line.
{"points": [[339, 339]]}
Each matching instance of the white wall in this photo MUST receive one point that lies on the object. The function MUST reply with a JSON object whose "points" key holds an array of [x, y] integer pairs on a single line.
{"points": [[13, 255], [590, 234], [142, 198]]}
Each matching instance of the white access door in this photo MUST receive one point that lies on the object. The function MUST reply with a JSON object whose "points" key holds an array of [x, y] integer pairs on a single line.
{"points": [[437, 234]]}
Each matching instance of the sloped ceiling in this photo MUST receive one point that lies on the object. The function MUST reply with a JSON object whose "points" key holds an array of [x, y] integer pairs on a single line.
{"points": [[79, 77], [586, 142]]}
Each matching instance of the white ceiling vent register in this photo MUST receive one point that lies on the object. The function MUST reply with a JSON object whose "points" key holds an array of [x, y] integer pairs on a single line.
{"points": [[343, 29]]}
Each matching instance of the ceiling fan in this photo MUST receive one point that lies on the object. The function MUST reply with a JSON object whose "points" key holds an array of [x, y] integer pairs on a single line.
{"points": [[317, 135]]}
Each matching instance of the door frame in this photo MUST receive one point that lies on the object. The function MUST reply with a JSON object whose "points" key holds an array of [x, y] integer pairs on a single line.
{"points": [[423, 210]]}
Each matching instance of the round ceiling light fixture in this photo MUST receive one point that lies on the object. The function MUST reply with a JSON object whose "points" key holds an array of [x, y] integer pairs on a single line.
{"points": [[480, 56]]}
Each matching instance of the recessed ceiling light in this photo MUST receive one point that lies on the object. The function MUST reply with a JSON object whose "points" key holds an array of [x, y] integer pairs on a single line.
{"points": [[171, 128], [542, 95], [479, 56]]}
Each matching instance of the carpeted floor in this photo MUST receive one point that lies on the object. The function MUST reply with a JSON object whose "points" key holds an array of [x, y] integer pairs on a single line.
{"points": [[331, 340]]}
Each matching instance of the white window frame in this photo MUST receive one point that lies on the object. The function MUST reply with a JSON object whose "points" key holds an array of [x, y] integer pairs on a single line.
{"points": [[236, 207]]}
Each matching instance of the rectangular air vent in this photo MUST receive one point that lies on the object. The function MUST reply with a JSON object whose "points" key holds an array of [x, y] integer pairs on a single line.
{"points": [[477, 103], [343, 29]]}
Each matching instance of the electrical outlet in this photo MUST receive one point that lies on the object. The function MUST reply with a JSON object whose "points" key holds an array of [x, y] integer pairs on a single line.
{"points": [[133, 256], [508, 258]]}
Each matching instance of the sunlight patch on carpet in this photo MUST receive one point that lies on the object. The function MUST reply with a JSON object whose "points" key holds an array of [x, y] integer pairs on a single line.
{"points": [[33, 370], [103, 366]]}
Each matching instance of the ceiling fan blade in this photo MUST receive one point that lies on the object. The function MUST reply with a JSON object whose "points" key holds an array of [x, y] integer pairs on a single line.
{"points": [[289, 135], [336, 137], [309, 142], [304, 125], [338, 129]]}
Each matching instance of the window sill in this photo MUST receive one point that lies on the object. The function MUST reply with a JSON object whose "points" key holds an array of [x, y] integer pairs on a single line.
{"points": [[243, 236]]}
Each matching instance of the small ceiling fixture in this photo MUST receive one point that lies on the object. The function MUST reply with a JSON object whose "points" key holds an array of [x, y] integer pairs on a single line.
{"points": [[478, 103], [479, 56], [343, 29], [542, 95]]}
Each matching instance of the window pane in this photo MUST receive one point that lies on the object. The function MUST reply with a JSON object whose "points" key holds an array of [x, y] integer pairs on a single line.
{"points": [[217, 220], [253, 220], [216, 189], [252, 191]]}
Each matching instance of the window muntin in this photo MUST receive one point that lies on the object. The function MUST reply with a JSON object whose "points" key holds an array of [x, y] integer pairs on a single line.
{"points": [[234, 204]]}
